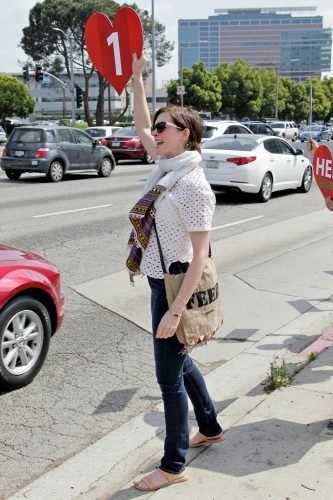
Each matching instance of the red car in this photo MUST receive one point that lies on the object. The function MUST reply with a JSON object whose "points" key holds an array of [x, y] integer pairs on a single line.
{"points": [[31, 311], [125, 144]]}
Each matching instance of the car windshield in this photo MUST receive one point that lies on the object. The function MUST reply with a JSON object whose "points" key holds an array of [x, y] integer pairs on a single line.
{"points": [[315, 128], [231, 143], [31, 135], [130, 131], [96, 132], [277, 125]]}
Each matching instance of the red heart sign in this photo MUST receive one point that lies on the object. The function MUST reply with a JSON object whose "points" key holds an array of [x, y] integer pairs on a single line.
{"points": [[111, 46], [323, 170]]}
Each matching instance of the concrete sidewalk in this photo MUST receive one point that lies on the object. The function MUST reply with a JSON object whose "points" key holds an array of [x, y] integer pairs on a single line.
{"points": [[279, 450], [276, 446]]}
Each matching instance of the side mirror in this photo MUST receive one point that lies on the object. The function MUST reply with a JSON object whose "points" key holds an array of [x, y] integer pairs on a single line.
{"points": [[299, 152]]}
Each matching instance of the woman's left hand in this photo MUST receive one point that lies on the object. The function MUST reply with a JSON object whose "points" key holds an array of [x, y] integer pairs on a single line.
{"points": [[168, 326]]}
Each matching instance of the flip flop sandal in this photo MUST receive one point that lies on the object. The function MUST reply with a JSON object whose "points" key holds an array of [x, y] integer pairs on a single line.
{"points": [[206, 441], [158, 479]]}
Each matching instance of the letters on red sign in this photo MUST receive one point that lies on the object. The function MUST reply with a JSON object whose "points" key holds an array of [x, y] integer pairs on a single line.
{"points": [[323, 170]]}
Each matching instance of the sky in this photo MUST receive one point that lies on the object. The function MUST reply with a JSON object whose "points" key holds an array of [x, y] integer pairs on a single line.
{"points": [[14, 16]]}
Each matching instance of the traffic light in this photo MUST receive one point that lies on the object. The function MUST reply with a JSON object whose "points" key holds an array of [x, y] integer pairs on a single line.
{"points": [[26, 73], [78, 96], [39, 74]]}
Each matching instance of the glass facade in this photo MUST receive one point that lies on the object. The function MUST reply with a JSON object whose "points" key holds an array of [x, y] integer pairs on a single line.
{"points": [[292, 41]]}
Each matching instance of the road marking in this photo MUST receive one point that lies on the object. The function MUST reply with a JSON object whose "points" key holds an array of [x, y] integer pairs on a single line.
{"points": [[71, 211], [237, 222]]}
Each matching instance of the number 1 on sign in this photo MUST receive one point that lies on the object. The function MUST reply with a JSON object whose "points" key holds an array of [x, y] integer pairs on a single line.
{"points": [[113, 39]]}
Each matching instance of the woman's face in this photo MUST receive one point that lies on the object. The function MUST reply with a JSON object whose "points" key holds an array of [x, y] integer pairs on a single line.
{"points": [[169, 139]]}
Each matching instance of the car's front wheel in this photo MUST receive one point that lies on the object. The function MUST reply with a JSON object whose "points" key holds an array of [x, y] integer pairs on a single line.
{"points": [[148, 159], [25, 332], [266, 187], [56, 171], [13, 175], [106, 168], [306, 180]]}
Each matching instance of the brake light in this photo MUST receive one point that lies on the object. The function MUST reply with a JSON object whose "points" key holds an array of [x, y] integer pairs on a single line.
{"points": [[104, 142], [41, 152], [132, 144], [242, 160], [4, 152]]}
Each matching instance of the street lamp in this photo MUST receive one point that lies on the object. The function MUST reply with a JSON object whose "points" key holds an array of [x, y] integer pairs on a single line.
{"points": [[153, 91], [69, 38], [181, 76]]}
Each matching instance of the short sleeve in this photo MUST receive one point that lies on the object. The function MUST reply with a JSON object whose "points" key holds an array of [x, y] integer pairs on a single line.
{"points": [[196, 203]]}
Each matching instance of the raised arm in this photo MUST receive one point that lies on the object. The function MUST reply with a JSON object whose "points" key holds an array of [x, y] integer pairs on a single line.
{"points": [[141, 112]]}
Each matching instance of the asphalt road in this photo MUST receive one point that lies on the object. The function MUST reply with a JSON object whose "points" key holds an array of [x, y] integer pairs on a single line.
{"points": [[99, 371]]}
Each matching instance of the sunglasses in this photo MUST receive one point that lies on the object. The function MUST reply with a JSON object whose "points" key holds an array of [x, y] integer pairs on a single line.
{"points": [[161, 126]]}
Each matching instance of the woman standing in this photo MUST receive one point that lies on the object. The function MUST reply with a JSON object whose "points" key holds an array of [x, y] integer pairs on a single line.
{"points": [[179, 200]]}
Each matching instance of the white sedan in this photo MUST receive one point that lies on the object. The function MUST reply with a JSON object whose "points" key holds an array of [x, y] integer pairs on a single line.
{"points": [[255, 164]]}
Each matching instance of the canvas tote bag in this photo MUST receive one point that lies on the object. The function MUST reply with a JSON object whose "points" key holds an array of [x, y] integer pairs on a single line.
{"points": [[203, 313]]}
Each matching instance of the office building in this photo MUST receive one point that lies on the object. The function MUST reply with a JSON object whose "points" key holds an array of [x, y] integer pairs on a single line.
{"points": [[290, 40]]}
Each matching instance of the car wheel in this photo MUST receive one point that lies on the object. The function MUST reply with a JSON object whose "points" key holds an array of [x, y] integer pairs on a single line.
{"points": [[319, 138], [106, 168], [25, 332], [13, 175], [147, 159], [265, 192], [56, 171], [307, 180]]}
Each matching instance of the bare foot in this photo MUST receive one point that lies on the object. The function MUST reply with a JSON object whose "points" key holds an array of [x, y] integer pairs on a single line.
{"points": [[200, 440]]}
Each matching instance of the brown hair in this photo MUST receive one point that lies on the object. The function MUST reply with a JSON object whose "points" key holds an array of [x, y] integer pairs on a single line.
{"points": [[186, 118]]}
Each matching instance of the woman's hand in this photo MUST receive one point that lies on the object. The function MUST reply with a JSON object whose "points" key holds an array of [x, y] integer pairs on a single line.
{"points": [[311, 145], [168, 326], [138, 65]]}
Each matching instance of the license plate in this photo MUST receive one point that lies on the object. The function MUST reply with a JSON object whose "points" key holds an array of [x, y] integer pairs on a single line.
{"points": [[212, 164], [19, 153], [115, 144]]}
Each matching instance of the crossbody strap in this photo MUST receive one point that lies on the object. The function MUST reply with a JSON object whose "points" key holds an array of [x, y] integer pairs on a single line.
{"points": [[159, 249]]}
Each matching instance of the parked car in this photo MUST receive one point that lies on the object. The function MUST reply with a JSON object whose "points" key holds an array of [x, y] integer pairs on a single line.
{"points": [[3, 136], [54, 151], [214, 128], [317, 132], [260, 128], [102, 133], [255, 164], [126, 145], [287, 130], [31, 311]]}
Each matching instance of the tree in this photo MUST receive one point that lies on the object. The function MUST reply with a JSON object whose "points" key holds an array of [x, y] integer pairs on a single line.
{"points": [[41, 42], [203, 90], [242, 89], [15, 98]]}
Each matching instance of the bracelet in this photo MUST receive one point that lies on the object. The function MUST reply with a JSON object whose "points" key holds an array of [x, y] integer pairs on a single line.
{"points": [[176, 315], [181, 299]]}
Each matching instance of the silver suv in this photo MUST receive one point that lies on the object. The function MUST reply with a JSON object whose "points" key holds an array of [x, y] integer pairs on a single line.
{"points": [[54, 151], [287, 130]]}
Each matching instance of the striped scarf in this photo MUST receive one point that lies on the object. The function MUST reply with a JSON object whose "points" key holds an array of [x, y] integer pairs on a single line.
{"points": [[165, 174]]}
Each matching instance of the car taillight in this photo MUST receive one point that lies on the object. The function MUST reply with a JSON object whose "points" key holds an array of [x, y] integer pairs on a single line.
{"points": [[4, 152], [41, 152], [242, 160], [104, 142], [132, 144]]}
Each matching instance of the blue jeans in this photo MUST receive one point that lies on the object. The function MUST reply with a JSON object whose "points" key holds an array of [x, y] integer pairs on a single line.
{"points": [[178, 377]]}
